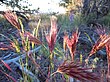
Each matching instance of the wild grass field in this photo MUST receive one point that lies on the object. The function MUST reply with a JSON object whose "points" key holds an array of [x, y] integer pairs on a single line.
{"points": [[53, 48]]}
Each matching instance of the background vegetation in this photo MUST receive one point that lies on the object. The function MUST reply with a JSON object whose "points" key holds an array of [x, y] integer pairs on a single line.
{"points": [[54, 47]]}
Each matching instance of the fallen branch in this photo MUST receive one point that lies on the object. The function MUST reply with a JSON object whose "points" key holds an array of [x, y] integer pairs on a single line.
{"points": [[21, 56]]}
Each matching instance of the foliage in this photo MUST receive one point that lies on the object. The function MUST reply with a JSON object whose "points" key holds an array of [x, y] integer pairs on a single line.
{"points": [[98, 7], [17, 4], [89, 10], [71, 5]]}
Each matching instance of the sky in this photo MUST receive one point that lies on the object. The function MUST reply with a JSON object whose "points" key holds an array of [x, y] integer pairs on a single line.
{"points": [[46, 6]]}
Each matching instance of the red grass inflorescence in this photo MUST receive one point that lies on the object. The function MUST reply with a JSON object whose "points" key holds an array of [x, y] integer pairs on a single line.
{"points": [[78, 72], [71, 43], [51, 37], [12, 18]]}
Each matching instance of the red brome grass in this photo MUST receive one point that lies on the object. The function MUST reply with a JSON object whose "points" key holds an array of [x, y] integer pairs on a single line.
{"points": [[108, 58], [32, 38], [102, 41], [78, 72], [12, 18], [71, 43], [5, 46], [51, 37]]}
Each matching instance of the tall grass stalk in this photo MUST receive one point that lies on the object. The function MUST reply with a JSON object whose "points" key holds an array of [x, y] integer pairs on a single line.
{"points": [[35, 33], [25, 45]]}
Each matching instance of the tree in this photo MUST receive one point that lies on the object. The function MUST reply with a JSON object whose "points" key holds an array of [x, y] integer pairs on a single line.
{"points": [[21, 7], [17, 4], [71, 5], [97, 7]]}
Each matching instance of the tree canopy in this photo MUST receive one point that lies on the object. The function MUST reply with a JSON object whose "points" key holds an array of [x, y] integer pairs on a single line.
{"points": [[17, 4], [71, 5], [97, 7]]}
